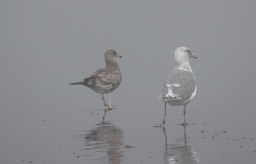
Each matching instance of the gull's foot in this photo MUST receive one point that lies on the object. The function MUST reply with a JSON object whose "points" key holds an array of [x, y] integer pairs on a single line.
{"points": [[110, 108], [184, 124], [160, 125]]}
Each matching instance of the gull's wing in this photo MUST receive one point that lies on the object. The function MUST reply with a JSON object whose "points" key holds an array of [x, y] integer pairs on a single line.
{"points": [[178, 85], [98, 78], [103, 78]]}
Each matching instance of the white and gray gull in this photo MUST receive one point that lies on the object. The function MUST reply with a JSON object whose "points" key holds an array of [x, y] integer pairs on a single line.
{"points": [[105, 80], [179, 87]]}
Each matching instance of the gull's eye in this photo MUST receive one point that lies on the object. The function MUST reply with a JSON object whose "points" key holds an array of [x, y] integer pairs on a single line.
{"points": [[188, 50]]}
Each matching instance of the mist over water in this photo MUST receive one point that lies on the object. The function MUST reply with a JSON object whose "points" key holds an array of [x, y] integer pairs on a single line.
{"points": [[45, 45]]}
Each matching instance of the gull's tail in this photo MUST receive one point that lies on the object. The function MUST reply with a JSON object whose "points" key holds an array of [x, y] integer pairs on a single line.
{"points": [[77, 83]]}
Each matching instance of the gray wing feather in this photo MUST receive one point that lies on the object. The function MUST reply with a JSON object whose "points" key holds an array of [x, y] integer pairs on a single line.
{"points": [[181, 84], [99, 77], [104, 78]]}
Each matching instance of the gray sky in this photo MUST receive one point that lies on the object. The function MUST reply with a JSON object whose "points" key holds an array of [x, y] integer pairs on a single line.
{"points": [[45, 45]]}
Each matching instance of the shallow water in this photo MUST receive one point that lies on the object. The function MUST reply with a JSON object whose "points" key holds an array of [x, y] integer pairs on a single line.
{"points": [[79, 136], [48, 44]]}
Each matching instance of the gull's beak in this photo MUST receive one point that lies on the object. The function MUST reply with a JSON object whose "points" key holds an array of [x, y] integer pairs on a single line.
{"points": [[193, 55], [120, 56]]}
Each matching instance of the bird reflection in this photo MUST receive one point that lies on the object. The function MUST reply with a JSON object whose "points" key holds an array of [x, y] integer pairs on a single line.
{"points": [[104, 143], [179, 153]]}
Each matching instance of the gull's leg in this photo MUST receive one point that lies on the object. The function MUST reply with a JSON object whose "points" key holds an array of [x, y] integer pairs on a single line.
{"points": [[105, 112], [107, 109], [184, 114], [105, 104], [110, 114], [165, 113], [109, 103]]}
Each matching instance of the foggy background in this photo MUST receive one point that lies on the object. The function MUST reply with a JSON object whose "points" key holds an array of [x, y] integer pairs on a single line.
{"points": [[45, 45]]}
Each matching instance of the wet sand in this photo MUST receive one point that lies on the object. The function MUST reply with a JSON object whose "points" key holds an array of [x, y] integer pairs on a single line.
{"points": [[79, 136]]}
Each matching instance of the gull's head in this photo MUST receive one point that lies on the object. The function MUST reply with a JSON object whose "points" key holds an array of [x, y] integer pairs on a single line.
{"points": [[111, 55], [182, 55]]}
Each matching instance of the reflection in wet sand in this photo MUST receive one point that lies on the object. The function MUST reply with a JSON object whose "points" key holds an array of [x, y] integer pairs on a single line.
{"points": [[179, 153], [104, 143]]}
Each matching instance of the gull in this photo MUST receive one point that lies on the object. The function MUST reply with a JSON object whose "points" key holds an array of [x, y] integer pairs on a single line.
{"points": [[179, 87], [105, 80]]}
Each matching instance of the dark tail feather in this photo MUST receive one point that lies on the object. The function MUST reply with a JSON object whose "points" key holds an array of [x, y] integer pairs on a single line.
{"points": [[77, 83]]}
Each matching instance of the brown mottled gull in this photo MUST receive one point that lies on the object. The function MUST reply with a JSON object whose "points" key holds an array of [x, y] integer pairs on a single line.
{"points": [[105, 80]]}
